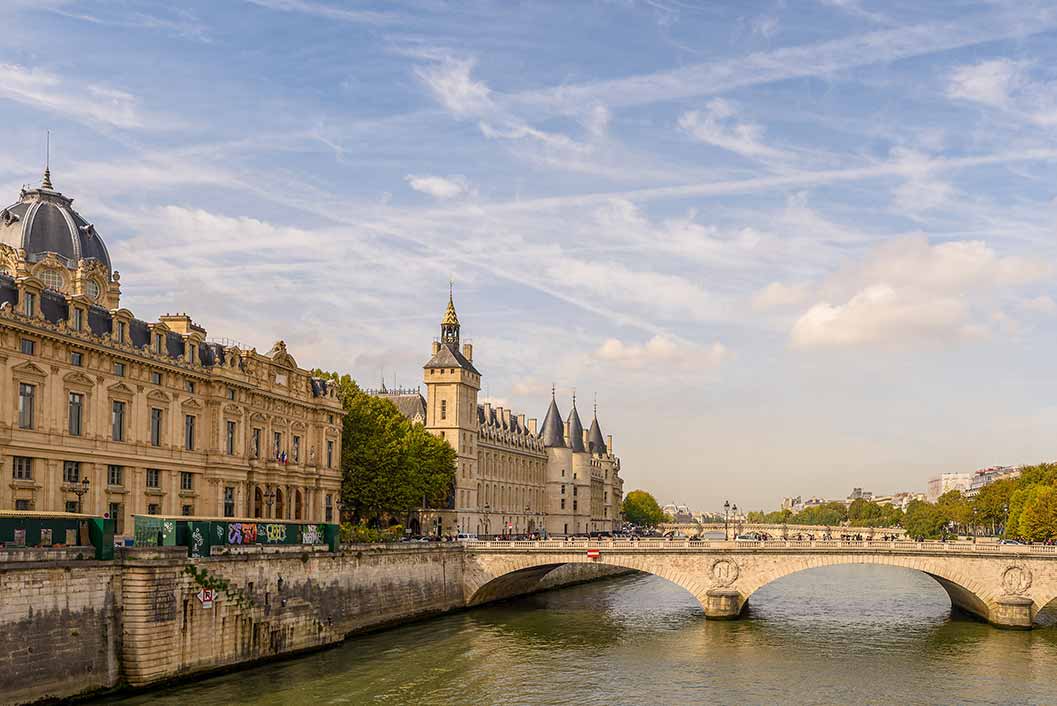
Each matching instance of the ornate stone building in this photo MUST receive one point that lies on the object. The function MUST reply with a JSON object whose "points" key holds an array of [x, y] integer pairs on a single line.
{"points": [[106, 413], [511, 478]]}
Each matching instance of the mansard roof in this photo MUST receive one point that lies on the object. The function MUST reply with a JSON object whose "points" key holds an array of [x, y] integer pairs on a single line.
{"points": [[576, 431], [448, 356], [553, 433]]}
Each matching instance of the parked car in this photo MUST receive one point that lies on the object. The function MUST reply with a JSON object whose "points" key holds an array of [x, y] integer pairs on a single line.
{"points": [[748, 537], [465, 537]]}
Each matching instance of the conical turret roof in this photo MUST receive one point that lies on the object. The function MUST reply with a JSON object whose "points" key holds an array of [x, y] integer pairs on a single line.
{"points": [[552, 433], [576, 431], [595, 443]]}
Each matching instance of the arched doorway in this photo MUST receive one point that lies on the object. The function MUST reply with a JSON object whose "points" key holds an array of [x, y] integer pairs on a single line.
{"points": [[280, 509], [258, 503], [297, 505]]}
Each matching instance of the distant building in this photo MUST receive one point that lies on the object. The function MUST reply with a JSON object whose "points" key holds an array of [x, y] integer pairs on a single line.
{"points": [[859, 494], [987, 476], [410, 402], [946, 482], [680, 514]]}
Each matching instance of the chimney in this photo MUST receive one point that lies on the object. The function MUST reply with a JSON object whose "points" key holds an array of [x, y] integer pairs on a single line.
{"points": [[609, 443], [521, 421], [532, 426], [487, 412], [436, 347], [467, 351], [506, 418]]}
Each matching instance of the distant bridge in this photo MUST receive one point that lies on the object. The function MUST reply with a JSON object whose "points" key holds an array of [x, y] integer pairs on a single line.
{"points": [[1007, 585], [692, 529]]}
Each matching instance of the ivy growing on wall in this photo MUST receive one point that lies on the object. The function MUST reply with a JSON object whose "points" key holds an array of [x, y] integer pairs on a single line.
{"points": [[218, 583]]}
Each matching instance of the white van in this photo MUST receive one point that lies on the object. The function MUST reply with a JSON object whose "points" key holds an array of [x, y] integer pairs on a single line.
{"points": [[465, 537]]}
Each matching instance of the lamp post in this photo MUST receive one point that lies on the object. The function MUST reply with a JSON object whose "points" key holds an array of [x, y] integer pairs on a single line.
{"points": [[269, 498], [734, 509], [80, 490], [487, 529], [726, 520]]}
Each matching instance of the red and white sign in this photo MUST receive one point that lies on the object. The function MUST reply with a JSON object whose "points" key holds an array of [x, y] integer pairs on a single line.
{"points": [[206, 597], [593, 553]]}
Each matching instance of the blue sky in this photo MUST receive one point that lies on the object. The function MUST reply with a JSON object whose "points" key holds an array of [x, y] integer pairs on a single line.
{"points": [[793, 247]]}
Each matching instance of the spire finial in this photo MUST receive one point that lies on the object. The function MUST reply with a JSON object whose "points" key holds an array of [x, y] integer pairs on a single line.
{"points": [[574, 398], [46, 182], [553, 387], [451, 289], [596, 405]]}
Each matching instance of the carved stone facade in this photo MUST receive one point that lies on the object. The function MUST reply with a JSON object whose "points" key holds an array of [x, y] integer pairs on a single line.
{"points": [[511, 477], [158, 419]]}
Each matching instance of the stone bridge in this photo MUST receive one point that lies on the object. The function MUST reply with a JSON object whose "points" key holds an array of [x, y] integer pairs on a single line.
{"points": [[1006, 585]]}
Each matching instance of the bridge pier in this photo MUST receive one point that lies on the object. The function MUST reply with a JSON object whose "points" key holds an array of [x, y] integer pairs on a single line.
{"points": [[1013, 613], [722, 604]]}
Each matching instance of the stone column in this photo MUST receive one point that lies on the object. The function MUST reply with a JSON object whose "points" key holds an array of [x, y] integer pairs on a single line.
{"points": [[722, 604]]}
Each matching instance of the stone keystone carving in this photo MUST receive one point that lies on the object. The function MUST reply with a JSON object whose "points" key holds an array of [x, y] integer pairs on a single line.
{"points": [[724, 572], [1016, 579]]}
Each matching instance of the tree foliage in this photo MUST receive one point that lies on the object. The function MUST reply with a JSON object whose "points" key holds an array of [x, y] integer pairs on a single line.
{"points": [[389, 465], [640, 508]]}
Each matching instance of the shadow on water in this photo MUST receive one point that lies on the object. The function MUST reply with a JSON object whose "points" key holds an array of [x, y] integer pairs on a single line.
{"points": [[843, 634]]}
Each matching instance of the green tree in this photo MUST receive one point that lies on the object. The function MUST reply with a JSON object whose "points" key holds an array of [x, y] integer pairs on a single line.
{"points": [[924, 519], [640, 508], [990, 507], [1038, 518], [955, 508], [389, 465]]}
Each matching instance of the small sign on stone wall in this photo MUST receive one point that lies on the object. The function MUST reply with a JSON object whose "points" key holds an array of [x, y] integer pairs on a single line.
{"points": [[206, 597]]}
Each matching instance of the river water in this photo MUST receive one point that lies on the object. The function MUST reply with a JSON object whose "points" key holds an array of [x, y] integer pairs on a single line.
{"points": [[839, 634]]}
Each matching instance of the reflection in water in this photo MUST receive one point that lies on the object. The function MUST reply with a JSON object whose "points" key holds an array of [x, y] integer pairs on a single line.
{"points": [[840, 634]]}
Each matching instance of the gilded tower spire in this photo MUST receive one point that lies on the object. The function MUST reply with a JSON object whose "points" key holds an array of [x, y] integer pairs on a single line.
{"points": [[45, 183], [449, 325]]}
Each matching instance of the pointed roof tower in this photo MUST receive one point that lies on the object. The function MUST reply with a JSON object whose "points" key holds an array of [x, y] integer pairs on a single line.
{"points": [[552, 433], [446, 351], [595, 443], [576, 430]]}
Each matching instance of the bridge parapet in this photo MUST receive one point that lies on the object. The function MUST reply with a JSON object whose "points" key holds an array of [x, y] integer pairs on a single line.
{"points": [[1004, 584]]}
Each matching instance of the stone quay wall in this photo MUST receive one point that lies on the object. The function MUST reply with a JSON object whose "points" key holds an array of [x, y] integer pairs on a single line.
{"points": [[70, 626]]}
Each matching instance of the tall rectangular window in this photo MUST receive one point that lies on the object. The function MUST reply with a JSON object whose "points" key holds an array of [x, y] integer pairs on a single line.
{"points": [[153, 509], [229, 501], [330, 454], [443, 409], [77, 358], [71, 471], [29, 303], [155, 426], [153, 479], [76, 413], [116, 516], [187, 480], [278, 439], [256, 443], [115, 475], [120, 333], [187, 510], [28, 346], [296, 449], [119, 369], [155, 377], [190, 386], [329, 506], [189, 432], [231, 393], [157, 343], [22, 468], [78, 319], [117, 421], [26, 396], [231, 438]]}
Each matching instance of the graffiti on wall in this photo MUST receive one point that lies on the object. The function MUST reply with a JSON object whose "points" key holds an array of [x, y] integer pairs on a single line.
{"points": [[312, 534]]}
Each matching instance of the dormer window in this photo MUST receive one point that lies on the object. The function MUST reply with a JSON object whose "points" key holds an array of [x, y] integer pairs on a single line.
{"points": [[51, 278], [29, 303], [157, 343], [92, 289], [78, 319], [120, 332]]}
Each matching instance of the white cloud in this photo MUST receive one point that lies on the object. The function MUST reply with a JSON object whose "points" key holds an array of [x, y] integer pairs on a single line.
{"points": [[766, 26], [1044, 305], [777, 295], [327, 11], [450, 83], [716, 125], [439, 187], [661, 351], [909, 291], [988, 82], [86, 102]]}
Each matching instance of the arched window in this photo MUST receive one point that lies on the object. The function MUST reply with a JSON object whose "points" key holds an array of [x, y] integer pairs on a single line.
{"points": [[51, 278]]}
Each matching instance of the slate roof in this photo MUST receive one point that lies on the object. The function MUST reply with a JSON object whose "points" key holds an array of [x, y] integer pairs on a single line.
{"points": [[411, 405], [576, 431], [553, 432], [449, 357], [595, 443]]}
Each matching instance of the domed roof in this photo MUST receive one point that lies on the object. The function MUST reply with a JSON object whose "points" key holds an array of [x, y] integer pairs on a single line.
{"points": [[43, 221]]}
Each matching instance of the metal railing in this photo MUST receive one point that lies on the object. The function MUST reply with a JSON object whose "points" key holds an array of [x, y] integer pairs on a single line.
{"points": [[682, 545]]}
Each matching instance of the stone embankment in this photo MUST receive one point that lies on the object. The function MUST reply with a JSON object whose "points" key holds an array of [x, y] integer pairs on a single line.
{"points": [[72, 626]]}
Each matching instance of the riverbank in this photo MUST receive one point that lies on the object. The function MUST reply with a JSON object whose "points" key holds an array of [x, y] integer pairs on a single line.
{"points": [[72, 627]]}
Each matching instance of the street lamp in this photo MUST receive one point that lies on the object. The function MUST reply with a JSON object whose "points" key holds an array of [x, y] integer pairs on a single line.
{"points": [[726, 520], [734, 509], [487, 529], [269, 498], [81, 492]]}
